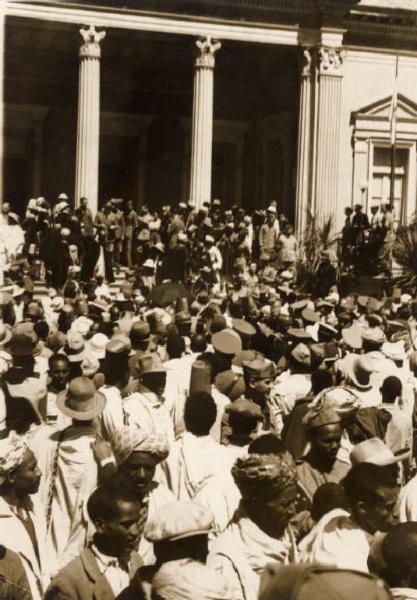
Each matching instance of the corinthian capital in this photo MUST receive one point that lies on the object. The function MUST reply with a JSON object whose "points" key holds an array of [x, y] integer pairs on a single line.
{"points": [[330, 60], [207, 47], [91, 46]]}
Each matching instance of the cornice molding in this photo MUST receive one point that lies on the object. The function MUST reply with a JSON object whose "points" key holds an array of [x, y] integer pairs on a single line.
{"points": [[163, 23]]}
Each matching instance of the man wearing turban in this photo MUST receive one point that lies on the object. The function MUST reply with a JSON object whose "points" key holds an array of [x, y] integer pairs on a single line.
{"points": [[321, 465], [23, 525], [259, 532], [137, 455]]}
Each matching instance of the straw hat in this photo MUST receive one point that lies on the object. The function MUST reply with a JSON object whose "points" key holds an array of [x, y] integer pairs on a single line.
{"points": [[376, 452], [80, 400], [360, 371]]}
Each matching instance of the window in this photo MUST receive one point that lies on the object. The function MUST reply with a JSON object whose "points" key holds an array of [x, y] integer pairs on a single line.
{"points": [[371, 180], [380, 191]]}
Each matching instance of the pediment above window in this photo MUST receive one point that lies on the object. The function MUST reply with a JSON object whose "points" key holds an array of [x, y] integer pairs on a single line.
{"points": [[374, 119]]}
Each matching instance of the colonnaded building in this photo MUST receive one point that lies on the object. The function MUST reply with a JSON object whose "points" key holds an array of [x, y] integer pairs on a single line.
{"points": [[160, 101]]}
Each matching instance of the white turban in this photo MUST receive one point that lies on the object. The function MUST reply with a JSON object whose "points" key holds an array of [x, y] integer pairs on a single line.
{"points": [[12, 453]]}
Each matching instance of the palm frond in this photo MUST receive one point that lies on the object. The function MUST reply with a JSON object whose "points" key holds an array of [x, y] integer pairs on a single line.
{"points": [[318, 238], [405, 253]]}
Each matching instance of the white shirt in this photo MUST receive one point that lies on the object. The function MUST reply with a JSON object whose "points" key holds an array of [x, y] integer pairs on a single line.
{"points": [[109, 566], [112, 417], [150, 413]]}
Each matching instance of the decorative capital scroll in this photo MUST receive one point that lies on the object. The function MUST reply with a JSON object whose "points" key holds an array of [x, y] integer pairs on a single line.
{"points": [[91, 46], [306, 59], [207, 48], [330, 60]]}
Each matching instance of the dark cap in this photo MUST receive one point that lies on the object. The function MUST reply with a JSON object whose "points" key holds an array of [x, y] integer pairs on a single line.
{"points": [[243, 328], [316, 582], [260, 368], [245, 408], [227, 341], [140, 331], [230, 384]]}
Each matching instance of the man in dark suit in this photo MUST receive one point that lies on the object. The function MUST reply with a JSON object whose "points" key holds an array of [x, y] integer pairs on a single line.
{"points": [[107, 569]]}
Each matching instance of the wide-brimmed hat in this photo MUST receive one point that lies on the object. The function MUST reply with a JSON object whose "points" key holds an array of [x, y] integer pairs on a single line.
{"points": [[57, 303], [80, 400], [360, 371], [90, 365], [22, 344], [140, 332], [150, 363], [82, 325], [149, 264], [352, 336], [98, 345], [374, 335], [394, 350], [376, 452], [75, 346], [302, 355]]}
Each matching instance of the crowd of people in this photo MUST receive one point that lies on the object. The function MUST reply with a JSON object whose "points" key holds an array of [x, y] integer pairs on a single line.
{"points": [[367, 241], [181, 420]]}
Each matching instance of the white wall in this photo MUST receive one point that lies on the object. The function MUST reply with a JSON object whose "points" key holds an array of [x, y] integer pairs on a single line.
{"points": [[368, 77]]}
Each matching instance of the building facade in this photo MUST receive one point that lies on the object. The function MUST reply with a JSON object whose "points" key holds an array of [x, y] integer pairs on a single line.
{"points": [[160, 101]]}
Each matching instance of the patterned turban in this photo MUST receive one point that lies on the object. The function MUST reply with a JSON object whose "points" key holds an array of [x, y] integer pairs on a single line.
{"points": [[132, 439], [12, 453], [188, 579], [263, 475]]}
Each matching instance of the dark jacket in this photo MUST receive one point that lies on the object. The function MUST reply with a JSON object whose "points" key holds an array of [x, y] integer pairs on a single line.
{"points": [[81, 580], [14, 584]]}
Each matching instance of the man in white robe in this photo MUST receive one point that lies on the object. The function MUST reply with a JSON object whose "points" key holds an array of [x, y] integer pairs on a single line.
{"points": [[195, 457], [259, 532], [70, 470], [343, 539]]}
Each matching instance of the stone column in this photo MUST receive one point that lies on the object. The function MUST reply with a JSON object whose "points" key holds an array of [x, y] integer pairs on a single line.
{"points": [[2, 36], [302, 198], [329, 100], [202, 124], [88, 127]]}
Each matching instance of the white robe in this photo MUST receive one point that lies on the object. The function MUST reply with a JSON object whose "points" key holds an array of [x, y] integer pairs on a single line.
{"points": [[337, 540], [192, 461], [76, 478], [242, 552]]}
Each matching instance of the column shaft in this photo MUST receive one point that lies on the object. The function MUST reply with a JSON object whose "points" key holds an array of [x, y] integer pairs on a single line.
{"points": [[328, 130], [88, 127], [302, 202], [2, 36], [202, 123]]}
